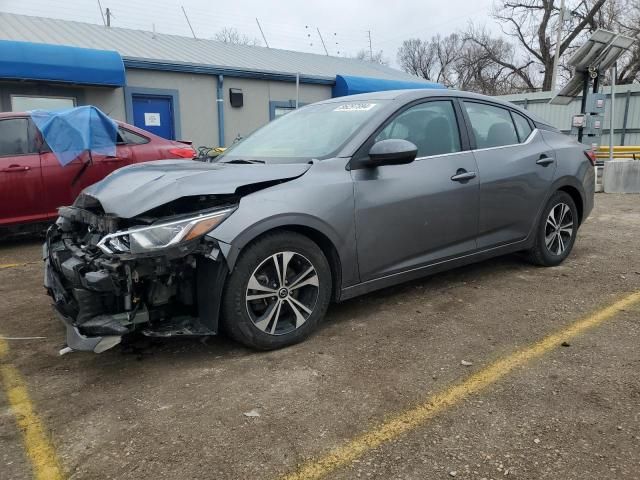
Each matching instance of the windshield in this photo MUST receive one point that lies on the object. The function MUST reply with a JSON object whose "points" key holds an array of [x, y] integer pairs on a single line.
{"points": [[313, 132]]}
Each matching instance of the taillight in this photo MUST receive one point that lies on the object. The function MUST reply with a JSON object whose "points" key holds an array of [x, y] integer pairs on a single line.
{"points": [[183, 152], [591, 155]]}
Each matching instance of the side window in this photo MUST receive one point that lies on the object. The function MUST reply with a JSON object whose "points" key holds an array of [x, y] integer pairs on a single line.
{"points": [[492, 126], [522, 126], [431, 126], [14, 139], [130, 138]]}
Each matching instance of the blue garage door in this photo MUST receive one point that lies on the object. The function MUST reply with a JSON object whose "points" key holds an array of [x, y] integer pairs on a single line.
{"points": [[154, 113]]}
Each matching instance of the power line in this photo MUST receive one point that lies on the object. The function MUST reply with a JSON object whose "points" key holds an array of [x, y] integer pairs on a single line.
{"points": [[322, 40], [262, 33], [102, 13], [188, 22]]}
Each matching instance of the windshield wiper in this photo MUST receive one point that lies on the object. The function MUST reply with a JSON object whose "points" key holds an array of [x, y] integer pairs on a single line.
{"points": [[243, 161]]}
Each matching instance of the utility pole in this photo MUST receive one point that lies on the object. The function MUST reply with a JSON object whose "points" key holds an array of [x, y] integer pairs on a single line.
{"points": [[556, 57], [262, 33], [104, 22], [371, 49], [322, 40], [108, 17], [188, 22]]}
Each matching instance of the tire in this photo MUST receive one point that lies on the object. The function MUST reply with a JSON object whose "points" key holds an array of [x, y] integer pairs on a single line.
{"points": [[261, 311], [553, 241]]}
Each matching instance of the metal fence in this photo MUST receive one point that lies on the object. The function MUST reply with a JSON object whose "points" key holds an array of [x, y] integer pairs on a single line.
{"points": [[627, 112]]}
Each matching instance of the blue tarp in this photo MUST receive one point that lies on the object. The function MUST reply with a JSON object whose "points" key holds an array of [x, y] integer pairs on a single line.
{"points": [[71, 132], [58, 63], [348, 85]]}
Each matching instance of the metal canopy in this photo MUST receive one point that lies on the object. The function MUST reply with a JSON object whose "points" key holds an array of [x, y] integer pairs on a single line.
{"points": [[57, 63], [598, 54]]}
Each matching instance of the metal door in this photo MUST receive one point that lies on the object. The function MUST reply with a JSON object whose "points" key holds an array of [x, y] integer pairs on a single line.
{"points": [[154, 113]]}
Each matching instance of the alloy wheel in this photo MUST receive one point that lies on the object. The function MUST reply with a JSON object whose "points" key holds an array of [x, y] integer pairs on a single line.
{"points": [[282, 293], [559, 229]]}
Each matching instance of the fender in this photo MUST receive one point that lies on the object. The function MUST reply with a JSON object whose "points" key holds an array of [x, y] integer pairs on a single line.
{"points": [[231, 251]]}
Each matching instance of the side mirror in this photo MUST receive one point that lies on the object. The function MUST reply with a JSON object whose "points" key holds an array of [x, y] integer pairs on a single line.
{"points": [[390, 152]]}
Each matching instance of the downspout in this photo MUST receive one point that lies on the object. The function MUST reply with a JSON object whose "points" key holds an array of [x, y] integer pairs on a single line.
{"points": [[220, 102]]}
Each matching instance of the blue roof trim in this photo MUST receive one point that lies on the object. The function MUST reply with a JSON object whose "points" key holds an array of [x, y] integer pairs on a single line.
{"points": [[348, 85], [57, 63], [219, 70]]}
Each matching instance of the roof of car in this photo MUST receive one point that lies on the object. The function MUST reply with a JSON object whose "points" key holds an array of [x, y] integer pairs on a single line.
{"points": [[26, 114], [405, 96]]}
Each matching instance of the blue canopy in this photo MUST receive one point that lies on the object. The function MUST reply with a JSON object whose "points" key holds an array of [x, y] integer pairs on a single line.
{"points": [[71, 132], [58, 63], [348, 85]]}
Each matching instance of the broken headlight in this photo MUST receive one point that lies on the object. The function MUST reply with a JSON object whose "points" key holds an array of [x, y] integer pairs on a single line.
{"points": [[162, 235]]}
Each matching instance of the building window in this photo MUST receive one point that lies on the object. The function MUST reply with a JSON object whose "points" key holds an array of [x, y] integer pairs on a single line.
{"points": [[24, 103], [280, 111], [278, 108]]}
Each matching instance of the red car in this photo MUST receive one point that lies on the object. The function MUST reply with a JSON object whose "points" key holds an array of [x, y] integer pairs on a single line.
{"points": [[33, 184]]}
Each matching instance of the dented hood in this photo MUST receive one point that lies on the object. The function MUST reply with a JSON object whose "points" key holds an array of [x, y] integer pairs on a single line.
{"points": [[138, 188]]}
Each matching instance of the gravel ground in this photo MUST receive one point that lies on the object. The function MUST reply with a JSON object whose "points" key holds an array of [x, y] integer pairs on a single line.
{"points": [[176, 408]]}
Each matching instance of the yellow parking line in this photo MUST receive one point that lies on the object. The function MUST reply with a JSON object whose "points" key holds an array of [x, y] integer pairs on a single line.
{"points": [[416, 416], [36, 442]]}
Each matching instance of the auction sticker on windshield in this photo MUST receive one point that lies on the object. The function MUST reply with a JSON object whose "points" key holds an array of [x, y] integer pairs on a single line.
{"points": [[355, 107]]}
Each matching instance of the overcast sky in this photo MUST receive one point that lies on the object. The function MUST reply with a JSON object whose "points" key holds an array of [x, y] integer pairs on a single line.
{"points": [[287, 24]]}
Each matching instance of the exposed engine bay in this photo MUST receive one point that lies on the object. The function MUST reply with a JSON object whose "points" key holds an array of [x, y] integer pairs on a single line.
{"points": [[106, 282], [134, 254]]}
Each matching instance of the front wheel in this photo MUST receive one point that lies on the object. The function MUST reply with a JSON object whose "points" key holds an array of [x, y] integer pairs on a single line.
{"points": [[556, 231], [278, 291]]}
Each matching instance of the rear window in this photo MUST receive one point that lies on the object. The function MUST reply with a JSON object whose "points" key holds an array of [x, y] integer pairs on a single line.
{"points": [[131, 138], [492, 126], [522, 126], [14, 139]]}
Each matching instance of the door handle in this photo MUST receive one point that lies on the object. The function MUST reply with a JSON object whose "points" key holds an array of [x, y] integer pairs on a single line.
{"points": [[463, 176], [16, 168], [113, 159], [544, 160]]}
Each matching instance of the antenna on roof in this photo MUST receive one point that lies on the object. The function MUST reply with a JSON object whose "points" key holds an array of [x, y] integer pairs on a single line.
{"points": [[188, 22], [109, 15], [262, 33], [102, 14], [322, 40]]}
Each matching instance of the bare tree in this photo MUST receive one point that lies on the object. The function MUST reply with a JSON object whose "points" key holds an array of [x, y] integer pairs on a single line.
{"points": [[233, 36], [516, 73], [470, 61], [433, 59], [488, 65], [417, 57], [533, 23], [377, 57]]}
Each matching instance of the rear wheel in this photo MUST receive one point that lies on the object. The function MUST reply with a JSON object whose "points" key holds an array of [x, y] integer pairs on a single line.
{"points": [[278, 291], [556, 231]]}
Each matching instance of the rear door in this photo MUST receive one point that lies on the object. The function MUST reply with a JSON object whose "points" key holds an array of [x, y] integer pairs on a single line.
{"points": [[21, 192], [408, 216], [516, 169]]}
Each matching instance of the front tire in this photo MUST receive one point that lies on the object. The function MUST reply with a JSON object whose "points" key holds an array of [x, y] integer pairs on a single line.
{"points": [[556, 231], [278, 292]]}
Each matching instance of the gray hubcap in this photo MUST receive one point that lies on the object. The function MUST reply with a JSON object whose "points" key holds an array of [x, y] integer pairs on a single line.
{"points": [[282, 293], [559, 229]]}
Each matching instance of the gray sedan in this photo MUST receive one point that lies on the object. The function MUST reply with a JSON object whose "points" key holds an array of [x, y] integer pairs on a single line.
{"points": [[331, 201]]}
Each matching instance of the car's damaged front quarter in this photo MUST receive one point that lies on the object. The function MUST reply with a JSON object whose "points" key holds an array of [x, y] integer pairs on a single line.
{"points": [[133, 254]]}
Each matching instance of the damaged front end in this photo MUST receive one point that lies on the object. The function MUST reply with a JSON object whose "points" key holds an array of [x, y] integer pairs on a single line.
{"points": [[156, 273]]}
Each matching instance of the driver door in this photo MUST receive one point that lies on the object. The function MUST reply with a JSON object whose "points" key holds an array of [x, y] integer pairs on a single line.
{"points": [[410, 216]]}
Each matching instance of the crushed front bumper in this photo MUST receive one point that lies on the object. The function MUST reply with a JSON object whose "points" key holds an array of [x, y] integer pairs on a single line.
{"points": [[102, 298]]}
